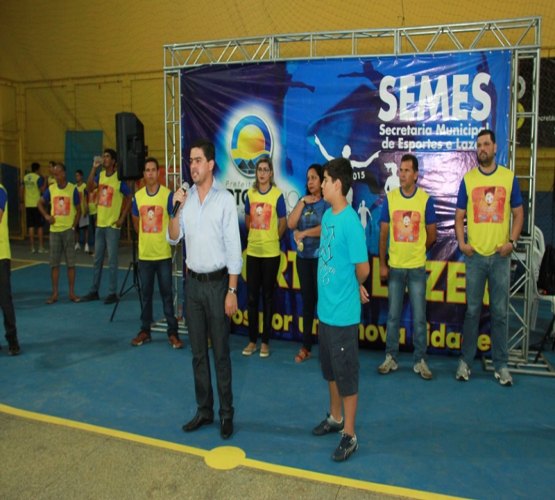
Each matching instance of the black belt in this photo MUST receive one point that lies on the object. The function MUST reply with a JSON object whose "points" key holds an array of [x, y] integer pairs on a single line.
{"points": [[213, 276]]}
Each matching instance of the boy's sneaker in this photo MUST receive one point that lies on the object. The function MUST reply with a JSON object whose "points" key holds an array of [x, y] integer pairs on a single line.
{"points": [[422, 369], [43, 250], [77, 247], [142, 338], [503, 376], [347, 446], [389, 365], [13, 349], [463, 371], [327, 425]]}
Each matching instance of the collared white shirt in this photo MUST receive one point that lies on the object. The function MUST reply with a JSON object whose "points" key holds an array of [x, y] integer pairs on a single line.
{"points": [[211, 230]]}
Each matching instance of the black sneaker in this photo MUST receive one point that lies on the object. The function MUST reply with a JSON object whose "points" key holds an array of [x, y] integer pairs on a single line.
{"points": [[347, 446], [326, 426], [111, 299], [13, 349], [90, 297]]}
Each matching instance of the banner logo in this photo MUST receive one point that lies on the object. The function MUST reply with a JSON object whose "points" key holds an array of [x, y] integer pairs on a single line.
{"points": [[251, 140]]}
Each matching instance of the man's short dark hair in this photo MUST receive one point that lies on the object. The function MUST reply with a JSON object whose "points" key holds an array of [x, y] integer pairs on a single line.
{"points": [[112, 154], [79, 171], [35, 167], [487, 131], [340, 168], [61, 165], [151, 159], [206, 146], [412, 159]]}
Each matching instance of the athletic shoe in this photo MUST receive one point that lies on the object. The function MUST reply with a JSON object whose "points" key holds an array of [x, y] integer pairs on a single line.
{"points": [[77, 247], [422, 369], [43, 250], [175, 341], [463, 371], [87, 248], [90, 296], [111, 299], [503, 376], [347, 446], [327, 425], [33, 250], [389, 365], [13, 349], [142, 338]]}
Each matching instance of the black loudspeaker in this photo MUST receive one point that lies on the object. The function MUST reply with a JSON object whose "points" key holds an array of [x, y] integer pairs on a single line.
{"points": [[130, 144]]}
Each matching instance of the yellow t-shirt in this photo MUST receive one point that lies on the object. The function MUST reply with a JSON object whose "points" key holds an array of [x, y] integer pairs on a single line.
{"points": [[263, 239], [62, 207], [153, 224]]}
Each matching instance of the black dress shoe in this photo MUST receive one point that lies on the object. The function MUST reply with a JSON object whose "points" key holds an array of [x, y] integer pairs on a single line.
{"points": [[111, 299], [197, 421], [90, 297], [226, 428]]}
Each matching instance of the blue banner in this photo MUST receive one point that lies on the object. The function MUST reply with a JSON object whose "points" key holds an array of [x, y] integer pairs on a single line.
{"points": [[371, 111]]}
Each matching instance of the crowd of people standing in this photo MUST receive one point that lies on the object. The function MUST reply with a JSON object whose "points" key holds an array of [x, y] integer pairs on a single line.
{"points": [[332, 263]]}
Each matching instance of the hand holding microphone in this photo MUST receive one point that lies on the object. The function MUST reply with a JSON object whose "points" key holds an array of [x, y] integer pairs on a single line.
{"points": [[184, 187]]}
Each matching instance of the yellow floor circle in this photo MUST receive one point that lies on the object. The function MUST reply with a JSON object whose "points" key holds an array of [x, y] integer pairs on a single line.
{"points": [[225, 457]]}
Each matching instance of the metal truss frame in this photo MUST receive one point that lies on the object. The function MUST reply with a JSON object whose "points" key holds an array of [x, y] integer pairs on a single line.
{"points": [[521, 36]]}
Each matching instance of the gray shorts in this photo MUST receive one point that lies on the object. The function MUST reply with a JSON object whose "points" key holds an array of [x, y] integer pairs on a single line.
{"points": [[62, 243], [339, 356]]}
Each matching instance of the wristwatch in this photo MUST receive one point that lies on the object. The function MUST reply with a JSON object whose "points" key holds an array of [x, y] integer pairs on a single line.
{"points": [[232, 290], [513, 242]]}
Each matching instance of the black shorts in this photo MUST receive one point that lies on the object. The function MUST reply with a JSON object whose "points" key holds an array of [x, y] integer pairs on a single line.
{"points": [[339, 356], [34, 217]]}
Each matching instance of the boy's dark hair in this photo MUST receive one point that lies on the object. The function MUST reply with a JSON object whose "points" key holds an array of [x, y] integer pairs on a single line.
{"points": [[340, 168], [487, 131], [35, 167], [151, 159], [412, 159], [319, 170], [206, 146], [79, 171], [112, 154]]}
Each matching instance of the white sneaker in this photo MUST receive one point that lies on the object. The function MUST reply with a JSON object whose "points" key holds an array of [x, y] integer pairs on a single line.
{"points": [[86, 248], [503, 376], [389, 365], [463, 371], [422, 369], [43, 250], [77, 247]]}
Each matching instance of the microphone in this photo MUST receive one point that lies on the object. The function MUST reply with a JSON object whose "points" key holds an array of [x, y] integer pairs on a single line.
{"points": [[185, 186]]}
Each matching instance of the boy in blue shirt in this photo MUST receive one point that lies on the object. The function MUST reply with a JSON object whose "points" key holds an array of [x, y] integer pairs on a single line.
{"points": [[342, 268]]}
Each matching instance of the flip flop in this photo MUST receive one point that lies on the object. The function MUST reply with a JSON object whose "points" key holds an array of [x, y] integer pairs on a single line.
{"points": [[51, 301], [75, 300]]}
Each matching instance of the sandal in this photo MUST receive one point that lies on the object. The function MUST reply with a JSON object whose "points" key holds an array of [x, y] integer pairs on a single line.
{"points": [[303, 355]]}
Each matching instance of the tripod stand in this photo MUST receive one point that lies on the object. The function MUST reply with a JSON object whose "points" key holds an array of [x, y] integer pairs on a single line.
{"points": [[136, 283]]}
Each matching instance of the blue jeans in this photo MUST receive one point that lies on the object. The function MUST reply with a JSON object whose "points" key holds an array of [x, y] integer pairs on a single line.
{"points": [[496, 270], [163, 270], [106, 238], [398, 280]]}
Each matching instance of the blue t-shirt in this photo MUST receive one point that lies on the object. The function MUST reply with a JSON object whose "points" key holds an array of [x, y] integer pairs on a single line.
{"points": [[311, 216], [342, 246]]}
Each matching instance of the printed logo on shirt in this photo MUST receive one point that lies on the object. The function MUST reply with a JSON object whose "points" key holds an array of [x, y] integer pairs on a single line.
{"points": [[488, 203], [105, 195], [61, 205], [151, 219], [406, 226], [261, 215], [326, 255]]}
